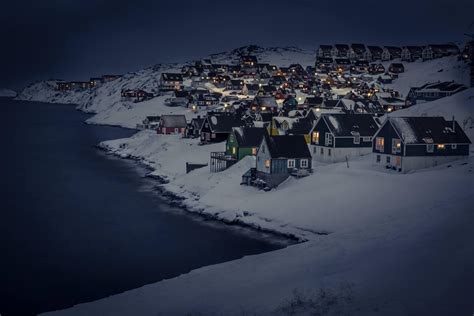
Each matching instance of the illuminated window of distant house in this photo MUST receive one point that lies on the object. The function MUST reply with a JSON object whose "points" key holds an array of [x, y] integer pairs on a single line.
{"points": [[441, 146], [316, 137], [396, 146], [254, 151], [379, 143], [267, 163]]}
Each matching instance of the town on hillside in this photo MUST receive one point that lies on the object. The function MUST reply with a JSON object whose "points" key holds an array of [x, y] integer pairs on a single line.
{"points": [[291, 117]]}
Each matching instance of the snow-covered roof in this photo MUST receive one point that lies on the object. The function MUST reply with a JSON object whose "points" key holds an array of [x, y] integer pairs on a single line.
{"points": [[425, 129]]}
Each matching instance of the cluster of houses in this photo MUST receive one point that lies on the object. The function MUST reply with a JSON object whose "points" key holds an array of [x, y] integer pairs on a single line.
{"points": [[289, 117], [386, 53], [82, 85]]}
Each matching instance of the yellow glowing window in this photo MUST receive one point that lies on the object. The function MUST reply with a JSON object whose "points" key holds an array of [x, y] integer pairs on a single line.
{"points": [[254, 151], [440, 146], [267, 163], [234, 150], [316, 137], [379, 143]]}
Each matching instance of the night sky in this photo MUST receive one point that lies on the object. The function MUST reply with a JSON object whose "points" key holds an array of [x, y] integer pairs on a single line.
{"points": [[72, 39]]}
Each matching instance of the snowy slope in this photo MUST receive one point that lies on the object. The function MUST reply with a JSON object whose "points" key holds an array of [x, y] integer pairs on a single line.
{"points": [[400, 241], [420, 72], [460, 105], [7, 93], [105, 100]]}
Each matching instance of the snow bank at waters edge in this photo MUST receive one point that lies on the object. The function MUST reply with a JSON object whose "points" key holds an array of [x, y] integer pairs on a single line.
{"points": [[399, 243]]}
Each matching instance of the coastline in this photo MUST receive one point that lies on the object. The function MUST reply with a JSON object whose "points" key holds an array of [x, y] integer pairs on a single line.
{"points": [[176, 200]]}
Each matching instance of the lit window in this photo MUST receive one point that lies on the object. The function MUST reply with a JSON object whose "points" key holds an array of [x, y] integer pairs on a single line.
{"points": [[254, 151], [379, 143], [267, 163], [316, 137], [234, 150], [291, 163], [441, 146]]}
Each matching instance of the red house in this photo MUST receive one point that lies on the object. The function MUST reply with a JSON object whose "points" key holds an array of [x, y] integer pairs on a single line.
{"points": [[172, 124]]}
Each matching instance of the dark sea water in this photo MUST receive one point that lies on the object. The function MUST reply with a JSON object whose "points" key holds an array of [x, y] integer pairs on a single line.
{"points": [[78, 225]]}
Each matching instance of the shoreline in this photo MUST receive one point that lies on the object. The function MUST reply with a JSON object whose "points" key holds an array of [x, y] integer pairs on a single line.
{"points": [[175, 200]]}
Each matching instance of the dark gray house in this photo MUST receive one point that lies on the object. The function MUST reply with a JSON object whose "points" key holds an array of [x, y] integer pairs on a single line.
{"points": [[280, 156], [409, 143], [336, 137], [433, 91]]}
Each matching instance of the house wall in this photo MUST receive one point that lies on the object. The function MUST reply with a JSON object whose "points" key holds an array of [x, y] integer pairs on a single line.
{"points": [[420, 150], [348, 142], [262, 155], [406, 164], [337, 154], [388, 133]]}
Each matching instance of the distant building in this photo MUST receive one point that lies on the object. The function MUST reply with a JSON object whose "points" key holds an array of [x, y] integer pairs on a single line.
{"points": [[409, 143], [433, 91], [171, 81], [172, 124]]}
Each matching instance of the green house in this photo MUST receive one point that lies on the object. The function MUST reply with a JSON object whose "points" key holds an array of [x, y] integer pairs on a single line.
{"points": [[244, 141]]}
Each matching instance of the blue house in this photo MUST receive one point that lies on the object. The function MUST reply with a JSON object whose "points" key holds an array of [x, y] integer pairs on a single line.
{"points": [[409, 143], [280, 156]]}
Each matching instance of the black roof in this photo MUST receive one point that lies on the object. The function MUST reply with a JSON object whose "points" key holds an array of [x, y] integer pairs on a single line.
{"points": [[249, 136], [314, 101], [302, 127], [168, 76], [426, 130], [223, 123], [442, 86], [349, 124], [287, 146]]}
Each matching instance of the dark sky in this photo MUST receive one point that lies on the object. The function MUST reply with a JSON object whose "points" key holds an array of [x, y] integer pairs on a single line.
{"points": [[75, 39]]}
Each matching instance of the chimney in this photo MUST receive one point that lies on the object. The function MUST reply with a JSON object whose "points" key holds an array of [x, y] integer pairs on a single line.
{"points": [[454, 125]]}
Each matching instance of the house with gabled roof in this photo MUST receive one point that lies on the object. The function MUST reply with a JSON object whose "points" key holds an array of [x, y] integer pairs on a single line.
{"points": [[218, 125], [410, 143], [324, 51], [171, 81], [375, 52], [244, 141], [338, 137], [280, 156], [433, 91], [172, 124]]}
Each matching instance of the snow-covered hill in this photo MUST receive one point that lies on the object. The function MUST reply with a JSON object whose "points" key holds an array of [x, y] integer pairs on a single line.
{"points": [[7, 93], [460, 106], [106, 102]]}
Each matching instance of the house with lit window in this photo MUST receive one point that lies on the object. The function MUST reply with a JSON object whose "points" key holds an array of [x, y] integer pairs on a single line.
{"points": [[171, 81], [172, 124], [409, 143], [244, 141], [235, 85], [337, 137], [248, 60], [278, 157]]}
